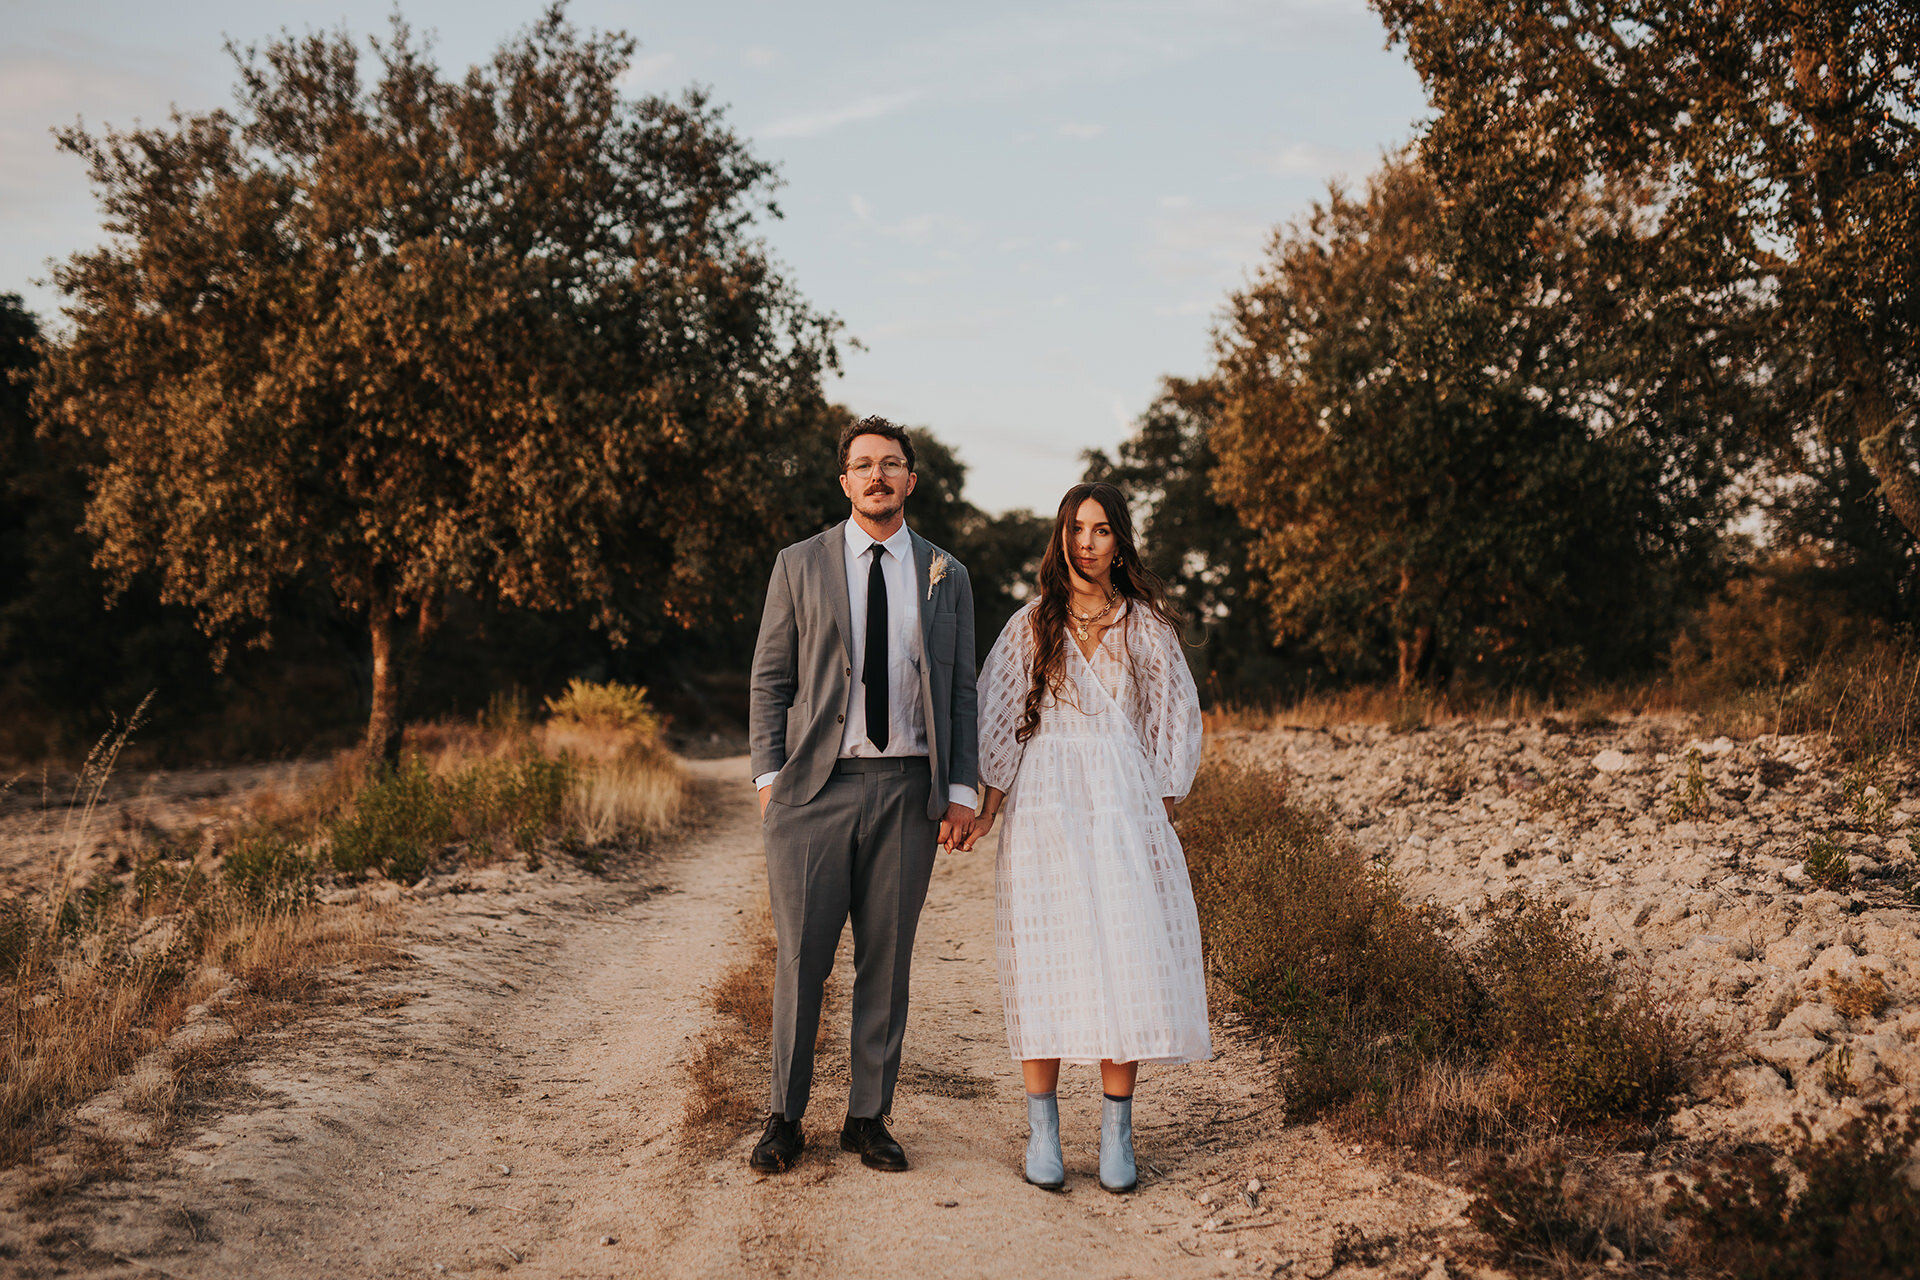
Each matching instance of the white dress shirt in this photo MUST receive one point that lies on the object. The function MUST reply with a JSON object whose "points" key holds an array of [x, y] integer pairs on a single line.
{"points": [[907, 726]]}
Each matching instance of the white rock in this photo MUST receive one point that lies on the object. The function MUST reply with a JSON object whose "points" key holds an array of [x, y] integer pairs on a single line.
{"points": [[1810, 1020], [1789, 1053], [1758, 1084], [1610, 761]]}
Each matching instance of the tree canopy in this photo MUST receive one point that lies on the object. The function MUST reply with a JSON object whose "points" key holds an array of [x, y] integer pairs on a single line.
{"points": [[1451, 462], [508, 334], [1775, 146], [1192, 539]]}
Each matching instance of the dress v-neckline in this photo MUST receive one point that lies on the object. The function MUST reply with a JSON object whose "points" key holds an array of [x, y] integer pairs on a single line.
{"points": [[1086, 658]]}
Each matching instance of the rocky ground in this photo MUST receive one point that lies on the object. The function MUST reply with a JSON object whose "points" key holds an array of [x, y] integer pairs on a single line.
{"points": [[1697, 861]]}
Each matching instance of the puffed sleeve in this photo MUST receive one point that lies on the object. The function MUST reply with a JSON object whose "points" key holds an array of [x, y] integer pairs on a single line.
{"points": [[1003, 692], [1172, 728]]}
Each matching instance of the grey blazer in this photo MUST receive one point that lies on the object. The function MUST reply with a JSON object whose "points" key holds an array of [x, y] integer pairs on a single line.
{"points": [[803, 670]]}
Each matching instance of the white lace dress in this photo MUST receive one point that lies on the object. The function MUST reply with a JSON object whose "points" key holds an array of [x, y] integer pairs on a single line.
{"points": [[1098, 941]]}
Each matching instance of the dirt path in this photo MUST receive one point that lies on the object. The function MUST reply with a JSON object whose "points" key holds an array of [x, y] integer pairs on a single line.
{"points": [[523, 1105]]}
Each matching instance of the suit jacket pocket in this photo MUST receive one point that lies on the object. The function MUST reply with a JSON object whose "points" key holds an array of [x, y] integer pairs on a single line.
{"points": [[945, 631]]}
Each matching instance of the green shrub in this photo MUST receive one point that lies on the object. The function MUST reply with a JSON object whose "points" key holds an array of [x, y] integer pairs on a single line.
{"points": [[398, 820], [1312, 941], [1581, 1042], [1774, 626], [1857, 1215], [516, 800], [1690, 799], [266, 869], [1827, 865]]}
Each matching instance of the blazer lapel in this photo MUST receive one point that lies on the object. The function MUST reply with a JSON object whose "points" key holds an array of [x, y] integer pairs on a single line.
{"points": [[922, 595], [834, 547]]}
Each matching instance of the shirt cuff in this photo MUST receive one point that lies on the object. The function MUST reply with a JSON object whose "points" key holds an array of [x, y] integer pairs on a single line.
{"points": [[765, 780], [959, 794]]}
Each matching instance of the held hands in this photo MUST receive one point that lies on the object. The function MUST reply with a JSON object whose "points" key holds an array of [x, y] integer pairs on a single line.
{"points": [[989, 810], [955, 828], [982, 825]]}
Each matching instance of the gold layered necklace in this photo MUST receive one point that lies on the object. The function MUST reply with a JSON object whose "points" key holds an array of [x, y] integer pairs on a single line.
{"points": [[1083, 621]]}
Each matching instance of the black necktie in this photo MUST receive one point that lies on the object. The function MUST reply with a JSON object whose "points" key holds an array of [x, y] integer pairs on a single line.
{"points": [[873, 669]]}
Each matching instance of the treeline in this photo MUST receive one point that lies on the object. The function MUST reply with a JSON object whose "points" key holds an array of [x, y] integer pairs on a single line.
{"points": [[75, 652], [391, 390], [1611, 372]]}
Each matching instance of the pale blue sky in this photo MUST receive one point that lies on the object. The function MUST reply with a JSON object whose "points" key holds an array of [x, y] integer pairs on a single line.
{"points": [[1026, 212]]}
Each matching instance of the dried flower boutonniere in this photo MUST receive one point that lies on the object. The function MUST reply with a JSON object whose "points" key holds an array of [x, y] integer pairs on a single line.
{"points": [[935, 572]]}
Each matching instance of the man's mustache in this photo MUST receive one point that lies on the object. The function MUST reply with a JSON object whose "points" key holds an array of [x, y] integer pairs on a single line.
{"points": [[877, 489]]}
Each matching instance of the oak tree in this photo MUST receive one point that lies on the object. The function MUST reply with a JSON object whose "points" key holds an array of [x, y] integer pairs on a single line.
{"points": [[508, 333], [1473, 468], [1775, 148]]}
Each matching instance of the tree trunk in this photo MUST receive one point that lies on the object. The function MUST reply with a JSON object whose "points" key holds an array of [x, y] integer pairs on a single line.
{"points": [[395, 659], [383, 725], [1413, 647], [1881, 449], [1413, 655]]}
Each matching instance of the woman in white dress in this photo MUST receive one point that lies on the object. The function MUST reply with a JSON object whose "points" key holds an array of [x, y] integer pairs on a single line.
{"points": [[1089, 733]]}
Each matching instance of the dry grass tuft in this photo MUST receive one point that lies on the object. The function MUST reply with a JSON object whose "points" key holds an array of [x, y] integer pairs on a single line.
{"points": [[718, 1098], [744, 991], [1552, 1210], [1863, 997], [728, 1072], [629, 796]]}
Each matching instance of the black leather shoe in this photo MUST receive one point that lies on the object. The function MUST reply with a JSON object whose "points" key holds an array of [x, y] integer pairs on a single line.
{"points": [[780, 1145], [877, 1149]]}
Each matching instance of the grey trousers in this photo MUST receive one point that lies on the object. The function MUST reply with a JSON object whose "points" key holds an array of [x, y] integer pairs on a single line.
{"points": [[861, 849]]}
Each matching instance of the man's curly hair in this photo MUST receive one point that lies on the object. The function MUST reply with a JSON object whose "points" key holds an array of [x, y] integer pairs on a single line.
{"points": [[875, 425]]}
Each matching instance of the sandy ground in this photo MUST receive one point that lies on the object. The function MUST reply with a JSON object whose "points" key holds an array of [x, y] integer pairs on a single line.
{"points": [[511, 1102]]}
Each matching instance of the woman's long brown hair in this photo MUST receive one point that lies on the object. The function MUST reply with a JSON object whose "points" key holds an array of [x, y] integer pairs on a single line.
{"points": [[1136, 583]]}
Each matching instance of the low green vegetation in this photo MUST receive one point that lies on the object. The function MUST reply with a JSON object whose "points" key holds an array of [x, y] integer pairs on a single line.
{"points": [[1834, 1205], [1827, 865], [1519, 1053], [1379, 1000]]}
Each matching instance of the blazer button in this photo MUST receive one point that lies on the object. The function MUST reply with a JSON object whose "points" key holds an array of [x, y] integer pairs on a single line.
{"points": [[849, 670], [840, 719]]}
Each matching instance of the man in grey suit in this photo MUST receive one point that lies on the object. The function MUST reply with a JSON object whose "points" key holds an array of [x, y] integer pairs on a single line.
{"points": [[865, 757]]}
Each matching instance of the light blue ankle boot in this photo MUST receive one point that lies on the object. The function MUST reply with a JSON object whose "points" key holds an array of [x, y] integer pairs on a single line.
{"points": [[1116, 1145], [1045, 1167]]}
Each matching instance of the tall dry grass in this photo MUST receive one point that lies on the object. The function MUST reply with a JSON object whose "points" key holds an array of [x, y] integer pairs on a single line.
{"points": [[628, 785], [1409, 710], [100, 973]]}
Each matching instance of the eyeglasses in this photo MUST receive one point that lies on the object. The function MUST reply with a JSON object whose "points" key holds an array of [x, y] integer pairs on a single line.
{"points": [[889, 467]]}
